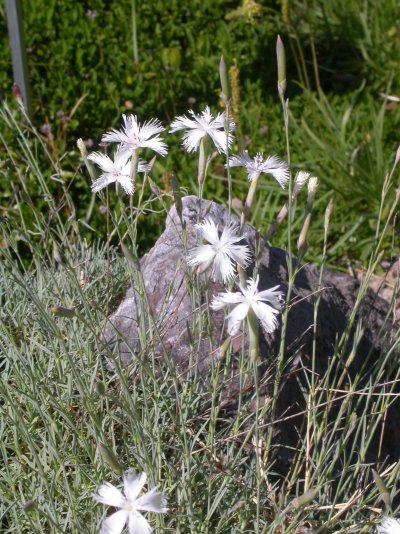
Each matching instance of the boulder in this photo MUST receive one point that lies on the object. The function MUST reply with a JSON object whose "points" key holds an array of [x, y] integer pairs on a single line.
{"points": [[190, 334]]}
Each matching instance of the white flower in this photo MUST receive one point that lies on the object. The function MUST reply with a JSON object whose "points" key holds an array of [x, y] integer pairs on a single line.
{"points": [[389, 526], [201, 126], [247, 299], [130, 505], [222, 251], [254, 167], [117, 170], [134, 136]]}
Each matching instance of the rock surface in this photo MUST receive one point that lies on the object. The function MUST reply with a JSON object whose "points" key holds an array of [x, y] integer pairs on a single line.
{"points": [[168, 282]]}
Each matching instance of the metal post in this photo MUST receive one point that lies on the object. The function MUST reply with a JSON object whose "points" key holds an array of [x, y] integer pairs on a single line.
{"points": [[18, 51]]}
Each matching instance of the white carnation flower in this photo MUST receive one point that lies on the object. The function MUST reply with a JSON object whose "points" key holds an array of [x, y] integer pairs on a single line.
{"points": [[115, 170], [130, 505], [255, 166], [133, 136], [201, 126], [222, 252], [250, 298]]}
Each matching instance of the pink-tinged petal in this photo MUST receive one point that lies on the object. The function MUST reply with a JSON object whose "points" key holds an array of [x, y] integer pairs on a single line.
{"points": [[152, 501], [236, 317], [115, 523], [133, 484], [138, 524], [110, 495], [266, 315], [103, 181], [201, 254]]}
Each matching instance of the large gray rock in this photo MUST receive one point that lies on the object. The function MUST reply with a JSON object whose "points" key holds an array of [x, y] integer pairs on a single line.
{"points": [[171, 291], [189, 335]]}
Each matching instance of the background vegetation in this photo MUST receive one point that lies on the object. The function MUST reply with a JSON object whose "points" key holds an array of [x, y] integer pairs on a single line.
{"points": [[86, 68]]}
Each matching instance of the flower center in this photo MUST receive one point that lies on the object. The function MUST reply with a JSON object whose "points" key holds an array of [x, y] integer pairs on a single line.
{"points": [[129, 506]]}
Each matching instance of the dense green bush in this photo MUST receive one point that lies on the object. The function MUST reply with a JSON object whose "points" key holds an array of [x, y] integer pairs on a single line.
{"points": [[85, 71]]}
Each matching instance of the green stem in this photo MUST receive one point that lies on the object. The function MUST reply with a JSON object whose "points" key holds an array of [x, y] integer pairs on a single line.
{"points": [[253, 335]]}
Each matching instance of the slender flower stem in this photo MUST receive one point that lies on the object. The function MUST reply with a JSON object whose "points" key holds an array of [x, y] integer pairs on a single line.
{"points": [[228, 169], [280, 364], [202, 171], [252, 322]]}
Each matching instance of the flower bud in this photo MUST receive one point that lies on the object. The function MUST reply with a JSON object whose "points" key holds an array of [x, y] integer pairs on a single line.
{"points": [[223, 75], [110, 458], [281, 59]]}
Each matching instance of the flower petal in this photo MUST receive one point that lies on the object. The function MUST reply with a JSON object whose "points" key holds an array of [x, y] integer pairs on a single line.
{"points": [[192, 138], [103, 161], [209, 230], [152, 501], [272, 296], [133, 484], [138, 524], [389, 525], [223, 267], [110, 495], [103, 181], [127, 184], [236, 317], [115, 523], [223, 299], [201, 254], [266, 315]]}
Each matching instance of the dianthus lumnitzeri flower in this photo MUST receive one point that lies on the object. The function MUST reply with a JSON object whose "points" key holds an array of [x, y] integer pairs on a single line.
{"points": [[130, 505], [251, 299], [133, 136], [201, 126], [389, 526], [255, 166], [116, 170], [222, 251]]}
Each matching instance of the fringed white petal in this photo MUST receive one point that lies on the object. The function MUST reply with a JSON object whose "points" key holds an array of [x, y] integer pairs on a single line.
{"points": [[133, 484], [266, 315], [103, 181], [138, 524], [152, 501], [110, 495], [115, 523], [236, 317]]}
